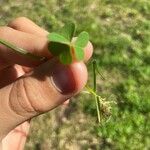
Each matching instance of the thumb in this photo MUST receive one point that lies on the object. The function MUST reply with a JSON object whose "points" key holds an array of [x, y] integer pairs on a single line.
{"points": [[45, 88]]}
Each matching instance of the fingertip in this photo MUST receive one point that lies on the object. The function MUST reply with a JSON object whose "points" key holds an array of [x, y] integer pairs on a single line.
{"points": [[80, 75], [69, 79], [66, 103], [88, 51]]}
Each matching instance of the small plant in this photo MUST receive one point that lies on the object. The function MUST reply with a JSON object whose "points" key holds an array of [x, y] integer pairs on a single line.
{"points": [[62, 46]]}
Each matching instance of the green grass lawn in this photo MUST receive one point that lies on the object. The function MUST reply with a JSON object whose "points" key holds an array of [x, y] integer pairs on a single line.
{"points": [[120, 32]]}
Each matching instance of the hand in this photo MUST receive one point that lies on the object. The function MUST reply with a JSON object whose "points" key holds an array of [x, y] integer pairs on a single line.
{"points": [[29, 88]]}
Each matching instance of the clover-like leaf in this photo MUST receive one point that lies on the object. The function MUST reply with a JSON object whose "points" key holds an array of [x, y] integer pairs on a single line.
{"points": [[68, 31], [57, 48], [79, 53], [65, 57], [60, 44], [55, 37], [82, 39]]}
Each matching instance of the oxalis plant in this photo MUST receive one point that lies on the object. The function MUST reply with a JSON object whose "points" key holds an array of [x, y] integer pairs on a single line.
{"points": [[66, 49]]}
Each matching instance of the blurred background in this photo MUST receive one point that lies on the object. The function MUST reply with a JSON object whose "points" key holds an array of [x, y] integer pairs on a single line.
{"points": [[120, 33]]}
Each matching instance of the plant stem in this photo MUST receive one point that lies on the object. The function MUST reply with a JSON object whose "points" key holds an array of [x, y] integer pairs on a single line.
{"points": [[20, 50], [95, 90]]}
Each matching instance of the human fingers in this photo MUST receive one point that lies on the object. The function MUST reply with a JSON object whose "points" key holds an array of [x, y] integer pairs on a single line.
{"points": [[16, 138], [40, 91], [33, 44], [26, 25]]}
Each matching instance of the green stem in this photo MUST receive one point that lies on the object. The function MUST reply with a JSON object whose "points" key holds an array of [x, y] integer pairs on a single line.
{"points": [[90, 90], [95, 90], [20, 50]]}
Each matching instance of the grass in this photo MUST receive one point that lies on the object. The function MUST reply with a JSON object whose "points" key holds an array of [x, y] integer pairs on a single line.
{"points": [[120, 32]]}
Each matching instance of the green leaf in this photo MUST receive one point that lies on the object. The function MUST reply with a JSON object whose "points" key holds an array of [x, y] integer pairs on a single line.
{"points": [[68, 31], [55, 37], [59, 44], [79, 53], [65, 57], [82, 39], [57, 48]]}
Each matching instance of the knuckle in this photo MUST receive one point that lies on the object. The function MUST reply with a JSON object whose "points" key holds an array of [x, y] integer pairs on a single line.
{"points": [[19, 102], [17, 22]]}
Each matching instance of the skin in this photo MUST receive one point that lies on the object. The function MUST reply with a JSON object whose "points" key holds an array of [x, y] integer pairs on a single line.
{"points": [[29, 88]]}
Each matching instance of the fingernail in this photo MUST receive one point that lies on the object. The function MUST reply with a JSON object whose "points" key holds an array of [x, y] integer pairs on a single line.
{"points": [[63, 79]]}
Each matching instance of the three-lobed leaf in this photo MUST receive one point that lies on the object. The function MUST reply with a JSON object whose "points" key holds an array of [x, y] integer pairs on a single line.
{"points": [[60, 44]]}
